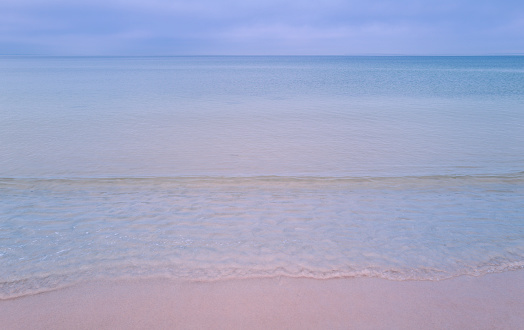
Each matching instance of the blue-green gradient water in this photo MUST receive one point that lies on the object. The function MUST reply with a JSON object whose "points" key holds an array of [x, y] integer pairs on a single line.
{"points": [[406, 168]]}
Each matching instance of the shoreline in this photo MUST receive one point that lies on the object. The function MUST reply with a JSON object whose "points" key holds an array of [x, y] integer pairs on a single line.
{"points": [[484, 302]]}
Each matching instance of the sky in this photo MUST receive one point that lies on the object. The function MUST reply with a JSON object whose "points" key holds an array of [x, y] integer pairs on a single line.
{"points": [[261, 27]]}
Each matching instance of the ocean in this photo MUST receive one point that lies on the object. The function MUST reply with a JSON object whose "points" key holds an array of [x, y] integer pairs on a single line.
{"points": [[220, 167]]}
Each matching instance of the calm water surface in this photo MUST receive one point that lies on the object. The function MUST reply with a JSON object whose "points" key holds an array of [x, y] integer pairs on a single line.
{"points": [[231, 167]]}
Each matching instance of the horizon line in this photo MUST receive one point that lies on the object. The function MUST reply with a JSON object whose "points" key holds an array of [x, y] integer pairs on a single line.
{"points": [[273, 55]]}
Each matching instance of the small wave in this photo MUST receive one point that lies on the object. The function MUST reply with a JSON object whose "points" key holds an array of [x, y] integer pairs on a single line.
{"points": [[41, 284], [212, 228], [513, 177]]}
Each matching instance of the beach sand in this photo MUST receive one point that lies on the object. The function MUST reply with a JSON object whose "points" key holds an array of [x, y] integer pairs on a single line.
{"points": [[494, 301]]}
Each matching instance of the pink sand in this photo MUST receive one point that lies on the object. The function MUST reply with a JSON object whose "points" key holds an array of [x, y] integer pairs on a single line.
{"points": [[489, 302]]}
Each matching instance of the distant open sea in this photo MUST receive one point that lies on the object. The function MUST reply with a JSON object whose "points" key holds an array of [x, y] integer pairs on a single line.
{"points": [[206, 168]]}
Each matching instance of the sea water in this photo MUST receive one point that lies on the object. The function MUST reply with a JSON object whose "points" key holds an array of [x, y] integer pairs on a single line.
{"points": [[205, 168]]}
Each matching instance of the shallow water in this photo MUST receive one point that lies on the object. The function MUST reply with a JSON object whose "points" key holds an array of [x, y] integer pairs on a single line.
{"points": [[220, 167]]}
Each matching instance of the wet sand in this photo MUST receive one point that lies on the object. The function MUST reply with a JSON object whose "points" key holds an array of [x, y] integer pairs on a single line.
{"points": [[494, 301]]}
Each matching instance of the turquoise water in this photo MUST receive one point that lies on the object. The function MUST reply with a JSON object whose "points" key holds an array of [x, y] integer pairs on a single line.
{"points": [[406, 168]]}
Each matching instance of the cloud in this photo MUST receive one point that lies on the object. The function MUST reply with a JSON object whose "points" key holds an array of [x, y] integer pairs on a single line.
{"points": [[166, 27]]}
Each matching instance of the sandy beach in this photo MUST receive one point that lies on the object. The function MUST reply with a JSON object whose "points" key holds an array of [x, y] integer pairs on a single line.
{"points": [[493, 301]]}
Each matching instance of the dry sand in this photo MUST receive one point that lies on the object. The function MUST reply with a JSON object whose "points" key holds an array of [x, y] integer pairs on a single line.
{"points": [[493, 301]]}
